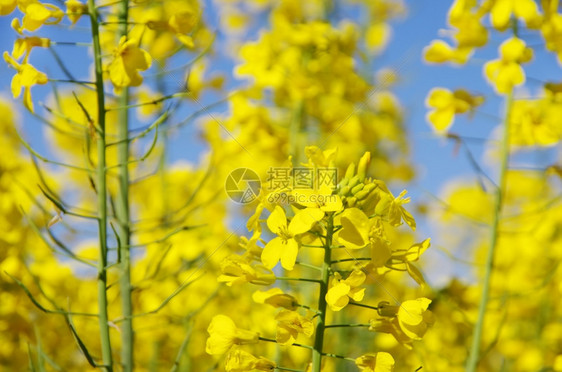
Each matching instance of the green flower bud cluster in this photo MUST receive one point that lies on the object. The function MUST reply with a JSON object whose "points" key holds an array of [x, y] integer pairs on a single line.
{"points": [[354, 188]]}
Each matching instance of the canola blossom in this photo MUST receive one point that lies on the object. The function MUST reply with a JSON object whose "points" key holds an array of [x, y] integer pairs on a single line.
{"points": [[259, 185]]}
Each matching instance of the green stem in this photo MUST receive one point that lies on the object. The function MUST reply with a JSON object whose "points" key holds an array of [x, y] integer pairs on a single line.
{"points": [[347, 325], [474, 355], [275, 341], [122, 211], [298, 279], [322, 304], [102, 197]]}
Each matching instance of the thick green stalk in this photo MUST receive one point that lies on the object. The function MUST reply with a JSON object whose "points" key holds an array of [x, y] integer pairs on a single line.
{"points": [[474, 356], [102, 196], [122, 211], [322, 305]]}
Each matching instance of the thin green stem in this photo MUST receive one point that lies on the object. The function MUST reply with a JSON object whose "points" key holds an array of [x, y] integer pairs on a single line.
{"points": [[295, 344], [352, 259], [322, 304], [474, 356], [102, 196], [304, 264], [122, 211], [363, 305], [298, 279], [338, 357], [289, 369], [347, 325]]}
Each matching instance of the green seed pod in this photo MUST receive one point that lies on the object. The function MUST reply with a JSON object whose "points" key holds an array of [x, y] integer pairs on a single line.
{"points": [[357, 188]]}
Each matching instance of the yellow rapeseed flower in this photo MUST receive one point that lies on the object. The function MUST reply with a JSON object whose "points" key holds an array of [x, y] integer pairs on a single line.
{"points": [[75, 9], [506, 72], [37, 14], [238, 360], [23, 46], [128, 60], [290, 325], [342, 290], [285, 247], [502, 11], [223, 334], [26, 77], [7, 6], [276, 298], [375, 362], [445, 104]]}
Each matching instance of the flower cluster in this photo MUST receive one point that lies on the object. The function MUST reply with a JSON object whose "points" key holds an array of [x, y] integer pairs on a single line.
{"points": [[354, 223]]}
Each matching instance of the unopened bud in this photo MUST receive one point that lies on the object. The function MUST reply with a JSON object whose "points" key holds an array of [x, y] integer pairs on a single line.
{"points": [[350, 171], [357, 188], [363, 165]]}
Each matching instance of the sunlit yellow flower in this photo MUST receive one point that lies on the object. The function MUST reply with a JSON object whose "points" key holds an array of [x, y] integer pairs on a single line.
{"points": [[446, 104], [182, 23], [26, 77], [535, 123], [502, 10], [392, 210], [552, 33], [342, 290], [276, 298], [24, 45], [440, 52], [377, 36], [414, 317], [7, 6], [128, 60], [285, 247], [75, 9], [238, 360], [237, 269], [506, 72], [406, 322], [37, 14], [290, 325], [358, 231], [375, 362], [223, 334]]}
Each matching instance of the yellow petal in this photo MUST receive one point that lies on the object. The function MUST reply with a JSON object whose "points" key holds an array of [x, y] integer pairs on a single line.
{"points": [[411, 312], [438, 52], [16, 85], [7, 6], [277, 220], [440, 98], [441, 120], [501, 13], [527, 10], [304, 220], [356, 278], [27, 102], [289, 254], [357, 294], [272, 252], [355, 229]]}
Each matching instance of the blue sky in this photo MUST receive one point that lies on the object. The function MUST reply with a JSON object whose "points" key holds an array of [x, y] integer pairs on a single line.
{"points": [[434, 157]]}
